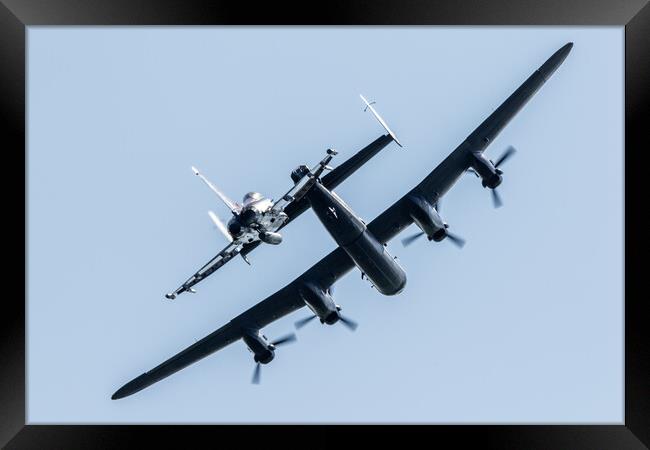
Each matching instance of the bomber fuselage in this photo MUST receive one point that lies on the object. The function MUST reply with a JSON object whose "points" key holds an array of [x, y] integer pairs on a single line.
{"points": [[351, 234]]}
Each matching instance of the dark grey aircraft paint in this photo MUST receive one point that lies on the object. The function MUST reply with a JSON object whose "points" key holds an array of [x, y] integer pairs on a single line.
{"points": [[314, 286], [351, 234]]}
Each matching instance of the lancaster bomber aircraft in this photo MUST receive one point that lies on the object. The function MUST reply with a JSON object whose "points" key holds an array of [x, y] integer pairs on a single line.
{"points": [[359, 244], [258, 219]]}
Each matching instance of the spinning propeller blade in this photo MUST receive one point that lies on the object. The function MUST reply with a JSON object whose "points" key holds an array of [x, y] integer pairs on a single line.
{"points": [[349, 323], [256, 374], [496, 199], [456, 240], [302, 322], [409, 240], [291, 337], [505, 156]]}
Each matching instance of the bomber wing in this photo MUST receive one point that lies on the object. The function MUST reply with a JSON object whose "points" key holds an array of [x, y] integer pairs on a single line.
{"points": [[337, 263], [283, 302]]}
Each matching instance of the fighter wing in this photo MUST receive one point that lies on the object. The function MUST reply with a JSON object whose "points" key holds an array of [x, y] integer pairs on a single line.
{"points": [[225, 255], [283, 302]]}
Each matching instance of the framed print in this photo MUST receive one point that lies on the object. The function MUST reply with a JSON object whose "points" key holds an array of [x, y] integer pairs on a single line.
{"points": [[463, 175]]}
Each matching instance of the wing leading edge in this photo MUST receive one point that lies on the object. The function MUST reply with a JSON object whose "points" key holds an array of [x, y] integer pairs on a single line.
{"points": [[337, 263], [283, 302]]}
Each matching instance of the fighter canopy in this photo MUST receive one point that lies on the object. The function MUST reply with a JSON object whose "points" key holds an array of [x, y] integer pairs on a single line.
{"points": [[251, 197]]}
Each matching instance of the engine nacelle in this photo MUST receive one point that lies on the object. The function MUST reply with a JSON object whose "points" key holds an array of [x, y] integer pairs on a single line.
{"points": [[490, 175], [321, 303], [427, 218], [270, 237], [259, 345]]}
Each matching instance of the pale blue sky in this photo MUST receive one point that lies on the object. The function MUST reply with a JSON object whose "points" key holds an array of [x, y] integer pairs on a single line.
{"points": [[525, 324]]}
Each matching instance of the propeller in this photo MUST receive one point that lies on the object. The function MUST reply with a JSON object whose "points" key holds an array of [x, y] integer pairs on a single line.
{"points": [[456, 240], [349, 323], [505, 156], [256, 374], [410, 239], [291, 337], [302, 322], [496, 198], [453, 238]]}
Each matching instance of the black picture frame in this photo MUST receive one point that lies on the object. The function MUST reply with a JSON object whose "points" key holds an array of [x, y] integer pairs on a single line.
{"points": [[16, 15]]}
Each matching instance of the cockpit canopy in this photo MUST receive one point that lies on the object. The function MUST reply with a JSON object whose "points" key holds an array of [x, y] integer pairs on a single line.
{"points": [[251, 197]]}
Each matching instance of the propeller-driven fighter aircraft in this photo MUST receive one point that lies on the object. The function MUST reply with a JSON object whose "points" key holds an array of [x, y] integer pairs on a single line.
{"points": [[360, 245], [258, 219]]}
